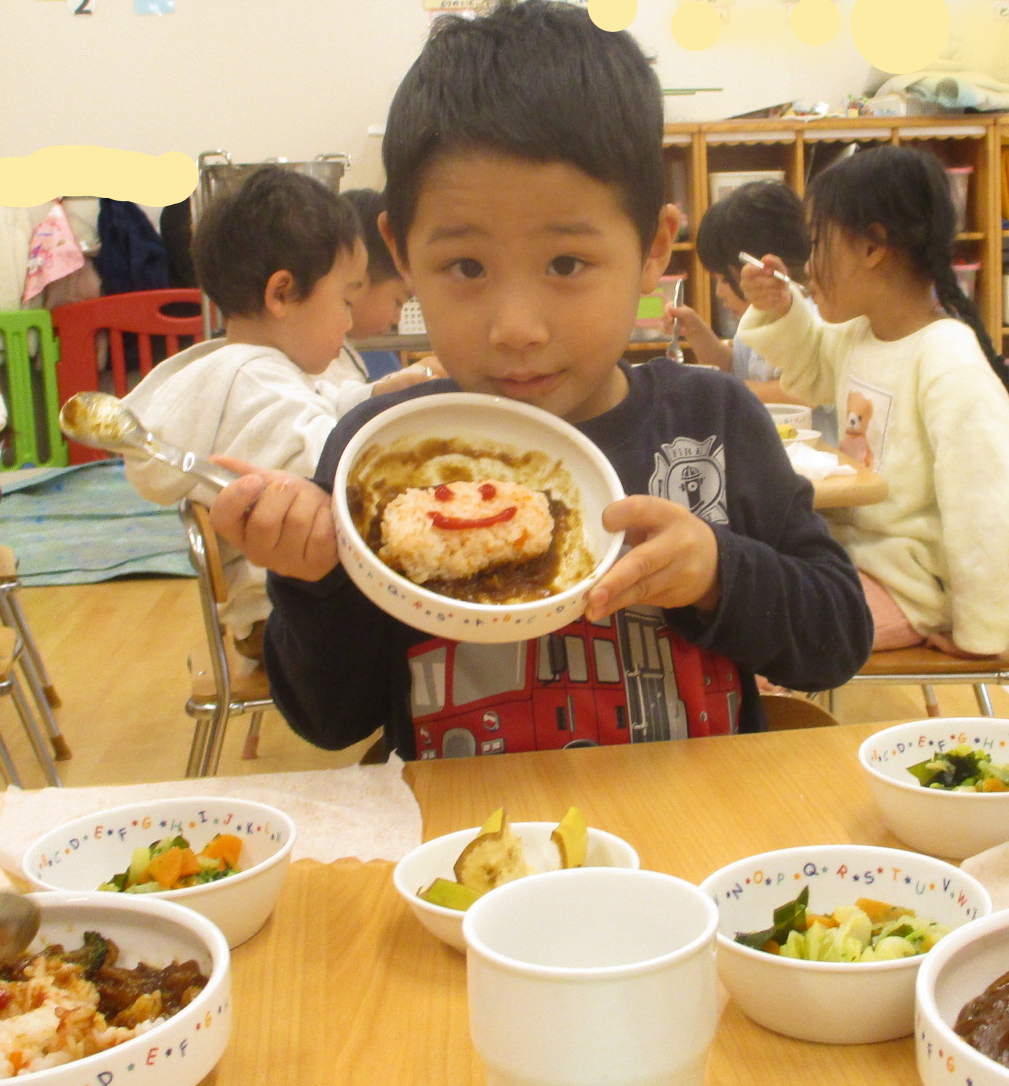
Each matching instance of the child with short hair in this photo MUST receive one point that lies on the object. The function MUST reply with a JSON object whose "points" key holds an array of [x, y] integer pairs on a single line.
{"points": [[282, 259], [757, 217], [380, 302], [523, 153], [904, 354]]}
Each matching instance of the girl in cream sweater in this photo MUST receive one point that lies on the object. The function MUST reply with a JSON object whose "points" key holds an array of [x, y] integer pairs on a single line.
{"points": [[921, 397]]}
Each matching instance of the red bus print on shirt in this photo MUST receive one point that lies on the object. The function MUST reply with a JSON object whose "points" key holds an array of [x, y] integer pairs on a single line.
{"points": [[627, 679]]}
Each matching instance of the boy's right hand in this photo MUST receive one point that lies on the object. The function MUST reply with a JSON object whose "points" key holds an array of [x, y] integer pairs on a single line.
{"points": [[673, 560], [277, 520], [762, 290]]}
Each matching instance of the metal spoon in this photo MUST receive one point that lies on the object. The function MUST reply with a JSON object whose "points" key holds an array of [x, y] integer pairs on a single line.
{"points": [[674, 350], [101, 421], [19, 924], [746, 258]]}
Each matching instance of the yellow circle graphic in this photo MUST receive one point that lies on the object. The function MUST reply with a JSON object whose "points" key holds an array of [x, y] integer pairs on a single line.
{"points": [[696, 25], [900, 36], [815, 22], [613, 14]]}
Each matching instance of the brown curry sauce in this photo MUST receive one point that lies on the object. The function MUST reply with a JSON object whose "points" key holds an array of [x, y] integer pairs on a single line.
{"points": [[983, 1022], [502, 584]]}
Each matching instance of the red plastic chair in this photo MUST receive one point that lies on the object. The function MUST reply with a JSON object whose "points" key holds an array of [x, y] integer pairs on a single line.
{"points": [[141, 313]]}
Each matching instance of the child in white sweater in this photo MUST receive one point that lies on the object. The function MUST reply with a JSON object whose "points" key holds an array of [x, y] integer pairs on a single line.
{"points": [[920, 394], [282, 259], [758, 217]]}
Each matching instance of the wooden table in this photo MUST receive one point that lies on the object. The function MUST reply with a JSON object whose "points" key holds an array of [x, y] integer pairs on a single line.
{"points": [[865, 487], [344, 988]]}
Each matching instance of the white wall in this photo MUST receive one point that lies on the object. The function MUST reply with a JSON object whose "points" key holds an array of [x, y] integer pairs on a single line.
{"points": [[296, 78], [258, 78], [263, 78], [757, 61]]}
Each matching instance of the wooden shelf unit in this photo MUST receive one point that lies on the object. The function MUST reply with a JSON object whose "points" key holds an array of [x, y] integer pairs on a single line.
{"points": [[803, 148]]}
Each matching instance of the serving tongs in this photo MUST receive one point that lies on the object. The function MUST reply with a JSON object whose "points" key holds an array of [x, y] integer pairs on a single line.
{"points": [[100, 421]]}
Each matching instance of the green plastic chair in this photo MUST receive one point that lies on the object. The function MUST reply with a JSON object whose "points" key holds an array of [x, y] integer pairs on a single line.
{"points": [[28, 378]]}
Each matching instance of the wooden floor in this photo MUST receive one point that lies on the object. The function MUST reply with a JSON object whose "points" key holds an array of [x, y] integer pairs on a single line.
{"points": [[116, 653]]}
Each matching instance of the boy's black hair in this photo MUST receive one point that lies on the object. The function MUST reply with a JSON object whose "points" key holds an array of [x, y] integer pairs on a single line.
{"points": [[904, 190], [759, 217], [369, 204], [276, 220], [537, 80]]}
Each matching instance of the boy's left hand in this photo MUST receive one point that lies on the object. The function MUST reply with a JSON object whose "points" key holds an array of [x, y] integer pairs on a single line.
{"points": [[414, 374], [673, 561]]}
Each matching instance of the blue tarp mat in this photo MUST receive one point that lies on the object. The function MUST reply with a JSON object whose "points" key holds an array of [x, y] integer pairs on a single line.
{"points": [[85, 524]]}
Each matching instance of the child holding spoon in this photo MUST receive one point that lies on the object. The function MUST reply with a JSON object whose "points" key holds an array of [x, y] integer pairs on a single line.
{"points": [[904, 354], [760, 216]]}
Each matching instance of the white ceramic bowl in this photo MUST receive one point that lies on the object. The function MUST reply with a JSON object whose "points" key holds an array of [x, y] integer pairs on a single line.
{"points": [[832, 1002], [181, 1051], [791, 414], [82, 854], [494, 423], [950, 824], [802, 437], [957, 970], [435, 859]]}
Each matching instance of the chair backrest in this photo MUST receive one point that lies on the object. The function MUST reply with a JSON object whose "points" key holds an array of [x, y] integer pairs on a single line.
{"points": [[145, 315], [29, 352], [788, 711], [206, 559], [214, 566]]}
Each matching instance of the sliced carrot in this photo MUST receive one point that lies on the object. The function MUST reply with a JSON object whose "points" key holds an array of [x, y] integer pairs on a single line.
{"points": [[226, 847], [817, 918], [166, 868], [993, 784], [190, 864], [880, 911]]}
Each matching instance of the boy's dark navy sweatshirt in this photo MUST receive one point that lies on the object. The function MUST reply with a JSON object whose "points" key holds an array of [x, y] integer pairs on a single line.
{"points": [[791, 605]]}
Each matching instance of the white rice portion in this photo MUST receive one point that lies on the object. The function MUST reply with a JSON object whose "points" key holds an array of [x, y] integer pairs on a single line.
{"points": [[412, 543], [51, 1018]]}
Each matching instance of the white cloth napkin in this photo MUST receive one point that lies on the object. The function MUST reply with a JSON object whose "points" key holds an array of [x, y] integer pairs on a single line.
{"points": [[991, 869], [815, 464], [364, 811]]}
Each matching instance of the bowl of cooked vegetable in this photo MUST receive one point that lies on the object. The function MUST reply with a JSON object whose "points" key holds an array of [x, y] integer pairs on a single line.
{"points": [[942, 784], [960, 1001], [823, 942], [441, 878], [223, 857], [116, 988]]}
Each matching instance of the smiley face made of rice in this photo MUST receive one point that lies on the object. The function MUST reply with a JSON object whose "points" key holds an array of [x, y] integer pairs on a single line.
{"points": [[480, 524]]}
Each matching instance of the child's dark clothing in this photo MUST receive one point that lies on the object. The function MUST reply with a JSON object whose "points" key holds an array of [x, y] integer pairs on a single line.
{"points": [[791, 606]]}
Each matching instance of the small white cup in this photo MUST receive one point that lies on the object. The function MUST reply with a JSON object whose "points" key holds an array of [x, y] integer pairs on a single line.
{"points": [[593, 975]]}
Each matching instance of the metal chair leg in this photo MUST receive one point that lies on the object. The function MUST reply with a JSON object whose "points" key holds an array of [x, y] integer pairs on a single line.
{"points": [[983, 700], [32, 651], [6, 762], [34, 670], [35, 736], [215, 741], [251, 747], [931, 701], [199, 746]]}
